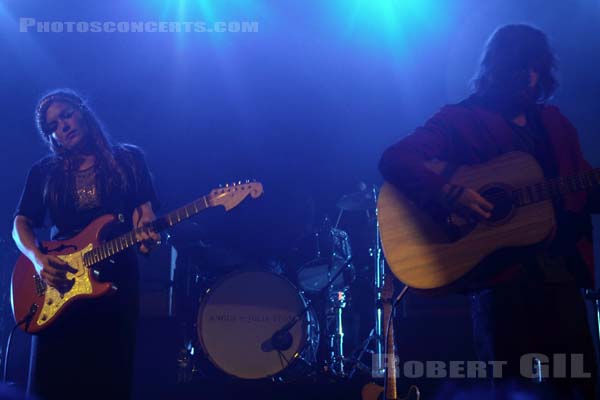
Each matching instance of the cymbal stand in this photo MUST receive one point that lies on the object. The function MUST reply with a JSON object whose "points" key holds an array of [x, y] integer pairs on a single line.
{"points": [[379, 277], [594, 295], [336, 302], [376, 335]]}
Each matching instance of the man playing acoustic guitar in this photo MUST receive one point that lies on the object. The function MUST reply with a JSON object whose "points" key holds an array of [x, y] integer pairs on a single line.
{"points": [[524, 300]]}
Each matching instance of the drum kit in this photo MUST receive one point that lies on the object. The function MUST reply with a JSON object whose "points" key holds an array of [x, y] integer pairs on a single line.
{"points": [[285, 323]]}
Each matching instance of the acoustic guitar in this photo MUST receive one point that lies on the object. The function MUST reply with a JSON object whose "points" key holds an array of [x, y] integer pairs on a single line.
{"points": [[37, 305], [425, 251]]}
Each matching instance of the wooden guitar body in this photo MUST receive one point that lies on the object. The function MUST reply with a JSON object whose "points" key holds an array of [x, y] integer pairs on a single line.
{"points": [[373, 391], [32, 299], [426, 253]]}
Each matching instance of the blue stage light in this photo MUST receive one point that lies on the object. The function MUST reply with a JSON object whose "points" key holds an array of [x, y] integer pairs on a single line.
{"points": [[389, 22]]}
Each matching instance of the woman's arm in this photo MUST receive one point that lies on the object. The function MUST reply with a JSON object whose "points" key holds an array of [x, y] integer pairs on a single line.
{"points": [[51, 268], [24, 237]]}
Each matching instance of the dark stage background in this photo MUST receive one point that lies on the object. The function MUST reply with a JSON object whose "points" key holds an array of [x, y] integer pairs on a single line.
{"points": [[305, 105]]}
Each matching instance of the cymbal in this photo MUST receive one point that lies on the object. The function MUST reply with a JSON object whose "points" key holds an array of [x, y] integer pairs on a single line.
{"points": [[357, 201]]}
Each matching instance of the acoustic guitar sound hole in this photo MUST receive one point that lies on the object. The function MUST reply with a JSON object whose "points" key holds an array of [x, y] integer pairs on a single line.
{"points": [[501, 198]]}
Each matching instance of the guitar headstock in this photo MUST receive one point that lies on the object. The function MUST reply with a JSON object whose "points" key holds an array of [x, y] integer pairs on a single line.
{"points": [[232, 194]]}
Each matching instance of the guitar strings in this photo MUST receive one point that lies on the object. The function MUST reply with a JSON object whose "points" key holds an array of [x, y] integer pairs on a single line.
{"points": [[552, 187]]}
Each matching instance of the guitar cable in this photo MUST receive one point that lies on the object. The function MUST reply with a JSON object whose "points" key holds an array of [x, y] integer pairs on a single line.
{"points": [[27, 320]]}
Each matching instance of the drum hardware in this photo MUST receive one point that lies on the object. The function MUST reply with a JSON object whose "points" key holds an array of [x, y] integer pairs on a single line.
{"points": [[240, 327], [185, 364], [336, 302], [285, 348], [366, 200], [200, 261], [328, 276], [594, 295], [358, 354], [378, 281], [358, 201], [335, 332], [330, 251], [282, 339]]}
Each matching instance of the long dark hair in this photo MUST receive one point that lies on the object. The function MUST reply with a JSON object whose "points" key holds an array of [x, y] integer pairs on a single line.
{"points": [[510, 53], [59, 185]]}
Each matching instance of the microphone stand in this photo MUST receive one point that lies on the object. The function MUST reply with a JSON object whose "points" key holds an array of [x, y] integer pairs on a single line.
{"points": [[594, 295], [376, 336]]}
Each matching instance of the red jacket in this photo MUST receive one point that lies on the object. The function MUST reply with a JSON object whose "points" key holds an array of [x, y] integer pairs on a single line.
{"points": [[467, 133]]}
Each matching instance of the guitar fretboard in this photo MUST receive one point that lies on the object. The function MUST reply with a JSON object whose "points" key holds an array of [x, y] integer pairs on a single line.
{"points": [[124, 241], [557, 187]]}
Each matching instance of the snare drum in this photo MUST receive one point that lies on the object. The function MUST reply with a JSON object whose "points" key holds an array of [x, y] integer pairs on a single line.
{"points": [[237, 320]]}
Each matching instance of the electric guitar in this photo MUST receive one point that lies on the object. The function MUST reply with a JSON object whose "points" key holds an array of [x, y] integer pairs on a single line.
{"points": [[37, 305], [427, 252]]}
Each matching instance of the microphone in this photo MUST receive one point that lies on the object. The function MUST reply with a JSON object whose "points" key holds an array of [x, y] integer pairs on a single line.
{"points": [[282, 339]]}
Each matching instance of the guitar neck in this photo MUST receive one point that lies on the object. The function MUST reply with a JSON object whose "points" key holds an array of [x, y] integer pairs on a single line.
{"points": [[557, 187], [126, 240]]}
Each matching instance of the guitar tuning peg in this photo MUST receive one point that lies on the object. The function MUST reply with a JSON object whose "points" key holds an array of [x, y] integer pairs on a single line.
{"points": [[227, 185], [247, 180], [239, 182], [220, 185]]}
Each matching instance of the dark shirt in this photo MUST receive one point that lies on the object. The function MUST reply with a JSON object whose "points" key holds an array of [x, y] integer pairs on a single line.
{"points": [[92, 343], [533, 139], [88, 199], [549, 263], [86, 192], [472, 132]]}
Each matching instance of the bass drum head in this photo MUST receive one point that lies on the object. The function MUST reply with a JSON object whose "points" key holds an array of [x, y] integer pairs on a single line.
{"points": [[238, 317]]}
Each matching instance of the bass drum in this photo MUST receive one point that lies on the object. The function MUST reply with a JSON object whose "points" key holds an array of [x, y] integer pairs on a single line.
{"points": [[237, 320]]}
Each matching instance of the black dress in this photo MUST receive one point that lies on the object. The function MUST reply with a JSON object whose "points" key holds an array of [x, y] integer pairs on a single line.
{"points": [[88, 352]]}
